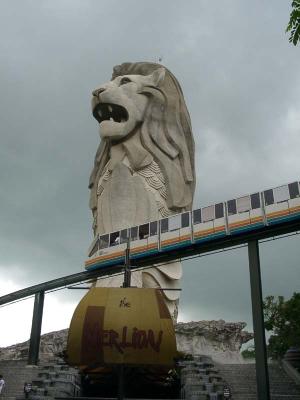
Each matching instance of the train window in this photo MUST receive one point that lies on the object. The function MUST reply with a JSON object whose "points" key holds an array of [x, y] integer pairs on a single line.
{"points": [[281, 193], [219, 210], [164, 225], [124, 236], [134, 233], [197, 216], [208, 213], [185, 220], [104, 239], [269, 198], [231, 207], [144, 231], [243, 204], [114, 238], [255, 201], [174, 223], [153, 228], [294, 190]]}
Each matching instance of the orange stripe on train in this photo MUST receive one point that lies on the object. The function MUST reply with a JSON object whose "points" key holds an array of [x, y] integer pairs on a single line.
{"points": [[105, 257], [120, 253], [295, 209], [245, 222], [145, 247], [284, 212], [175, 240], [278, 213]]}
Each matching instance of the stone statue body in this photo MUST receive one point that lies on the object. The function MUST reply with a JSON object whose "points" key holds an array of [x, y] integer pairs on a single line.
{"points": [[144, 166]]}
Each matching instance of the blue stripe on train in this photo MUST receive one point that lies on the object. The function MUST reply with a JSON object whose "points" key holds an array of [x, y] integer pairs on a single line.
{"points": [[144, 253], [100, 264], [277, 220], [175, 245], [210, 237], [120, 260], [234, 231]]}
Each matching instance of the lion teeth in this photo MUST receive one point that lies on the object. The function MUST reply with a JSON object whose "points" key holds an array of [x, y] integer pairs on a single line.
{"points": [[111, 119], [110, 109], [100, 113]]}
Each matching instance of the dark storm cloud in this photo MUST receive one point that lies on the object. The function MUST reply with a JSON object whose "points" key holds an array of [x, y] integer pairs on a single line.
{"points": [[238, 74]]}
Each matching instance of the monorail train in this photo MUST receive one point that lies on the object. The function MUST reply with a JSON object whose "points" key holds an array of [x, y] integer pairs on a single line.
{"points": [[232, 217]]}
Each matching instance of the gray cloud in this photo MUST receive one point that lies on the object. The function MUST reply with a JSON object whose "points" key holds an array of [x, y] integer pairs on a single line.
{"points": [[239, 77]]}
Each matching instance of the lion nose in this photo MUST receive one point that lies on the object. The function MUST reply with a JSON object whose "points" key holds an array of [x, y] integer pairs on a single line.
{"points": [[97, 92]]}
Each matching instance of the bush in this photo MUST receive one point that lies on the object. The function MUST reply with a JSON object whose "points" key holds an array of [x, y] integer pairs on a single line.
{"points": [[283, 319], [249, 352]]}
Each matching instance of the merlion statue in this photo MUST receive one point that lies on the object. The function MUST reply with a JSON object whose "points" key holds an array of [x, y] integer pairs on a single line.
{"points": [[144, 166]]}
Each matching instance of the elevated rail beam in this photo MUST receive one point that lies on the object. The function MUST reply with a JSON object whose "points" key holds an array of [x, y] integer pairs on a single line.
{"points": [[58, 283], [193, 249], [226, 242]]}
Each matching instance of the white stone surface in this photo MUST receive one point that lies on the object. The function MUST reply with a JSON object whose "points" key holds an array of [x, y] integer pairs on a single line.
{"points": [[144, 166], [218, 339]]}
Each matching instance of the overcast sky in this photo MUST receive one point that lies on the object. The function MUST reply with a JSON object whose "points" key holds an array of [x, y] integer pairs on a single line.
{"points": [[240, 78]]}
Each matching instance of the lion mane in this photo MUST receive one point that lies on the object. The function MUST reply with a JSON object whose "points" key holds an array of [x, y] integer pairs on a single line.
{"points": [[165, 133]]}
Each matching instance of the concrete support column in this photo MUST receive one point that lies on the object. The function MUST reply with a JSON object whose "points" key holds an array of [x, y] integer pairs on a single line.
{"points": [[121, 382], [127, 270], [262, 375], [35, 336]]}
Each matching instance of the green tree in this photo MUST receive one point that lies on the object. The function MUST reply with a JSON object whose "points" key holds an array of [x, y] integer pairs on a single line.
{"points": [[283, 319], [249, 352], [294, 23]]}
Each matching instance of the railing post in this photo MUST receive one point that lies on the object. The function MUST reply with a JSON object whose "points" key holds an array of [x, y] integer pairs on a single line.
{"points": [[36, 326], [262, 375], [127, 271], [121, 382]]}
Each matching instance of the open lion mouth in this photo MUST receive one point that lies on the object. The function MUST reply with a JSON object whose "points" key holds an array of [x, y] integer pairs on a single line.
{"points": [[110, 112]]}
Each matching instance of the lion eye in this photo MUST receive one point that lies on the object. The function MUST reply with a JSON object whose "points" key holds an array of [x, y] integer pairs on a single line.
{"points": [[125, 80]]}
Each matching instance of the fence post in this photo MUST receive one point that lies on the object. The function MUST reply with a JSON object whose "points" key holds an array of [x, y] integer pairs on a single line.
{"points": [[262, 375], [35, 336]]}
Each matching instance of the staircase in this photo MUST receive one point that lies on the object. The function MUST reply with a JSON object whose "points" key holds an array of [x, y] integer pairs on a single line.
{"points": [[200, 380], [242, 381], [48, 380], [15, 374]]}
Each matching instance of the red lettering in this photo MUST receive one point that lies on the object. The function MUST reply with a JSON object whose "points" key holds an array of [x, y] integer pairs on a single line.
{"points": [[104, 335], [113, 336], [134, 337], [124, 343], [155, 345], [141, 339]]}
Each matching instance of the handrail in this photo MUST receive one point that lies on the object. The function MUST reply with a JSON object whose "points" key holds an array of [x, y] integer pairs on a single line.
{"points": [[228, 241], [58, 282]]}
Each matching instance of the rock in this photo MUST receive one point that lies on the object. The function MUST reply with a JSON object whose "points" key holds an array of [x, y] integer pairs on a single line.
{"points": [[51, 345], [218, 339]]}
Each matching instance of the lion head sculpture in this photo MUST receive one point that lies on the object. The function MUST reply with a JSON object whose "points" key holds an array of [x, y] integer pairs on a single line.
{"points": [[143, 108]]}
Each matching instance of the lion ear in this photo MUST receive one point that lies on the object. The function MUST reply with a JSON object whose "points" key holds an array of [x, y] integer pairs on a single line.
{"points": [[158, 76]]}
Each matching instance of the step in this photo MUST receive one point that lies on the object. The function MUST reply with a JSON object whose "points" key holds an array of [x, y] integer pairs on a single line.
{"points": [[242, 381]]}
